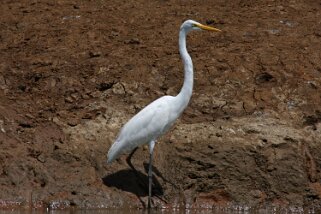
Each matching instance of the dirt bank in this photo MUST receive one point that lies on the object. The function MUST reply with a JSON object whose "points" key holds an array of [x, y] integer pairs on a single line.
{"points": [[73, 72]]}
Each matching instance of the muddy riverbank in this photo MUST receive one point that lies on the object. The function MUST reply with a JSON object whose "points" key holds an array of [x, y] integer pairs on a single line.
{"points": [[73, 72]]}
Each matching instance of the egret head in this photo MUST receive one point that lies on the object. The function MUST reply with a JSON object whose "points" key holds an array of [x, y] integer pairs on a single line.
{"points": [[190, 25]]}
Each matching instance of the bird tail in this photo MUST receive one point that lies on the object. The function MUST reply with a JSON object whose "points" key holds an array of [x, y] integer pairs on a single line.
{"points": [[113, 152]]}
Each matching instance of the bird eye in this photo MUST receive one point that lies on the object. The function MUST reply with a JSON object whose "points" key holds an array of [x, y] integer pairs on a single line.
{"points": [[194, 26]]}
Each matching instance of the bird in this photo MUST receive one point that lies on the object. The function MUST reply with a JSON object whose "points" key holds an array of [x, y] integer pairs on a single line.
{"points": [[158, 117]]}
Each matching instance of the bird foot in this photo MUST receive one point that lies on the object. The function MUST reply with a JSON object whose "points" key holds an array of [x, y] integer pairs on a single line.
{"points": [[150, 204]]}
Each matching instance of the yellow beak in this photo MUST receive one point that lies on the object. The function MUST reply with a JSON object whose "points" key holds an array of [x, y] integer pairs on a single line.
{"points": [[205, 27]]}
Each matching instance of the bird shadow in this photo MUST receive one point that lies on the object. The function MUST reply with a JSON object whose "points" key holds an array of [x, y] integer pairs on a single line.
{"points": [[159, 174], [134, 182]]}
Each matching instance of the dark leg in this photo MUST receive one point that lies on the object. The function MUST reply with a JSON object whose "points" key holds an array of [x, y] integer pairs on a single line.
{"points": [[128, 160], [138, 176], [150, 173]]}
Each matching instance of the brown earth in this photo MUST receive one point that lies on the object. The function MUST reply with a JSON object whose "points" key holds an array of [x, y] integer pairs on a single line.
{"points": [[73, 72]]}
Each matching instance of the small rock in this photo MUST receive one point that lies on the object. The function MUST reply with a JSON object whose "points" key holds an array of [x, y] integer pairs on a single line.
{"points": [[73, 122], [85, 96], [41, 158], [274, 31], [288, 23], [69, 99], [118, 88], [93, 54], [74, 96], [313, 84], [95, 94], [30, 116], [114, 34], [2, 127], [133, 41], [2, 83]]}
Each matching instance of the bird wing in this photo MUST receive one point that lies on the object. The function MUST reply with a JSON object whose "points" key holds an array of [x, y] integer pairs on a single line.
{"points": [[145, 126]]}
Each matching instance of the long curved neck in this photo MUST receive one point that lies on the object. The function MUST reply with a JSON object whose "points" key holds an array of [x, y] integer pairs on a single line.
{"points": [[186, 92]]}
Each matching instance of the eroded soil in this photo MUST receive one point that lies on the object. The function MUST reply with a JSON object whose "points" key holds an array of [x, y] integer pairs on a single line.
{"points": [[73, 72]]}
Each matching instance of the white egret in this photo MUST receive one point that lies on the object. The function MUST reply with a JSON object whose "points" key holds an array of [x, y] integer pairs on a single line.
{"points": [[156, 118]]}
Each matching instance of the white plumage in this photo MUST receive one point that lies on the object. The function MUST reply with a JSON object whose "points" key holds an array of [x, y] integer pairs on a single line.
{"points": [[157, 117], [150, 123]]}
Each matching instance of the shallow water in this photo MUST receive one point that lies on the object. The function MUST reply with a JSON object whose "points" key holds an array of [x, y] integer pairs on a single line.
{"points": [[231, 210]]}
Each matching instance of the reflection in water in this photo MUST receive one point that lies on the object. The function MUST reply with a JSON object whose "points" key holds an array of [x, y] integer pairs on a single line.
{"points": [[229, 210]]}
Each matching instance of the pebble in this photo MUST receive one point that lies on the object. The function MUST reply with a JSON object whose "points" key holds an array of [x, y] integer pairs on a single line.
{"points": [[69, 99]]}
